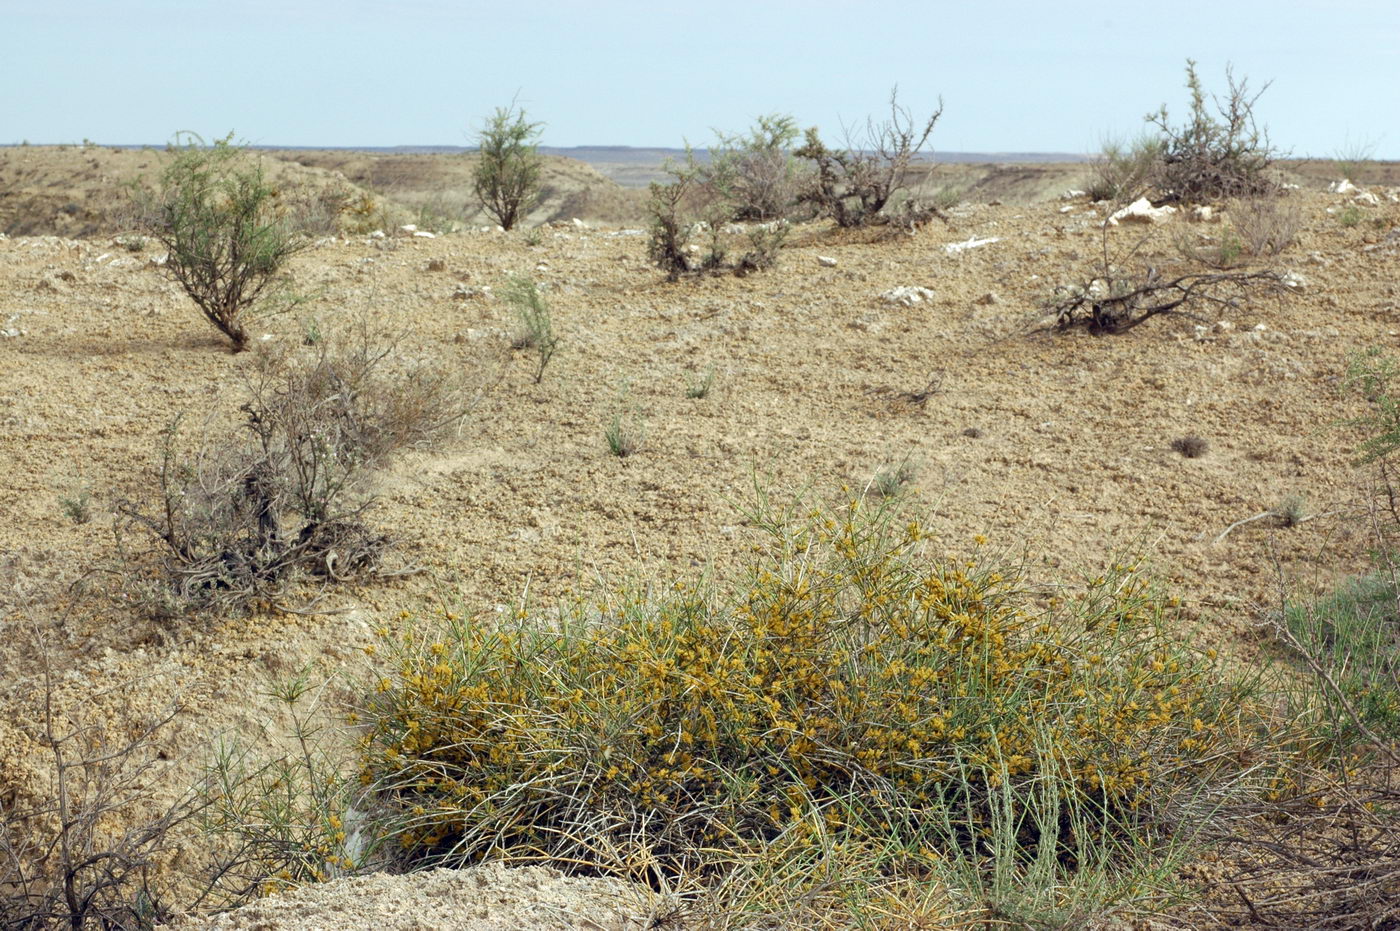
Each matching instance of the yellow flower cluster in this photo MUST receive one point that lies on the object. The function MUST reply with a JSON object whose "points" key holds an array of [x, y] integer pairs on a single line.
{"points": [[849, 666]]}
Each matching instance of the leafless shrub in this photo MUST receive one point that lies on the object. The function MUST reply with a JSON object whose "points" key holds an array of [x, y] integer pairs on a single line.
{"points": [[1116, 301], [1265, 224], [1124, 289], [90, 852], [283, 497], [852, 185]]}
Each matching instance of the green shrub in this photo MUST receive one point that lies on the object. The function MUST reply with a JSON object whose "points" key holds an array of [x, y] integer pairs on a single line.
{"points": [[536, 329], [1349, 641], [854, 692], [1214, 157], [283, 820], [1373, 375], [690, 208], [1123, 172], [756, 174], [506, 178], [222, 225]]}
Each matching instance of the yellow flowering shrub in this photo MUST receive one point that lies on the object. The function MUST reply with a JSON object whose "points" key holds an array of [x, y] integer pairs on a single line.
{"points": [[854, 684]]}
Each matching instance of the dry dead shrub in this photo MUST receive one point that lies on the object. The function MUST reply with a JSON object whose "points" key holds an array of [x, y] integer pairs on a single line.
{"points": [[1191, 446], [1265, 224], [90, 845], [1117, 300], [1128, 285], [284, 497]]}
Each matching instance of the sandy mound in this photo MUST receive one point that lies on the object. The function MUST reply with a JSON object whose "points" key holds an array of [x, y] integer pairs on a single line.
{"points": [[484, 898]]}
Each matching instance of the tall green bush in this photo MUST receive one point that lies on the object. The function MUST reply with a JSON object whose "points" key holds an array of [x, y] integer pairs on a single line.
{"points": [[222, 224], [507, 174]]}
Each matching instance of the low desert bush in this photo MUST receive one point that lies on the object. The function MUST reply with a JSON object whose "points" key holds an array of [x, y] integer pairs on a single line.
{"points": [[1214, 156], [856, 699], [1125, 171], [283, 497], [1351, 158], [853, 184], [688, 209], [1191, 446], [536, 321], [506, 178], [756, 174], [1266, 225], [222, 225]]}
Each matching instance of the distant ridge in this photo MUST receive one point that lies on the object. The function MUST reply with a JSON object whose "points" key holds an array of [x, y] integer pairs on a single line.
{"points": [[626, 154]]}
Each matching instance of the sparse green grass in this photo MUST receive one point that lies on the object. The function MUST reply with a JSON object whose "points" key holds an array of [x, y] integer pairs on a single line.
{"points": [[700, 388], [536, 321], [624, 435], [77, 507], [1350, 216], [892, 481], [1354, 634]]}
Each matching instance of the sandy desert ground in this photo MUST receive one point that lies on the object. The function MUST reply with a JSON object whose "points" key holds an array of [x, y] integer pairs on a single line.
{"points": [[1056, 446]]}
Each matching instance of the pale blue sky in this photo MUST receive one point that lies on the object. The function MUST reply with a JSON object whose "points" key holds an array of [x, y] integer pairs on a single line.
{"points": [[1015, 75]]}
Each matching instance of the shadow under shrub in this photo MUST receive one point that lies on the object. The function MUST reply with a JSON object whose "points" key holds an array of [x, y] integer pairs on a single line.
{"points": [[855, 690]]}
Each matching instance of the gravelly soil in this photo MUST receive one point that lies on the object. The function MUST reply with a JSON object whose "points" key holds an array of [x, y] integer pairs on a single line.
{"points": [[1055, 445]]}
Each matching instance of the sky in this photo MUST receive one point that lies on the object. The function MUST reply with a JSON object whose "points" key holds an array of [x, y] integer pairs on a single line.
{"points": [[1014, 76]]}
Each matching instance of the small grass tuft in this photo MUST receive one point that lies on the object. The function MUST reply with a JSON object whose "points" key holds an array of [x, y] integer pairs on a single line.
{"points": [[1292, 511], [536, 330], [623, 436], [890, 482], [697, 390]]}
